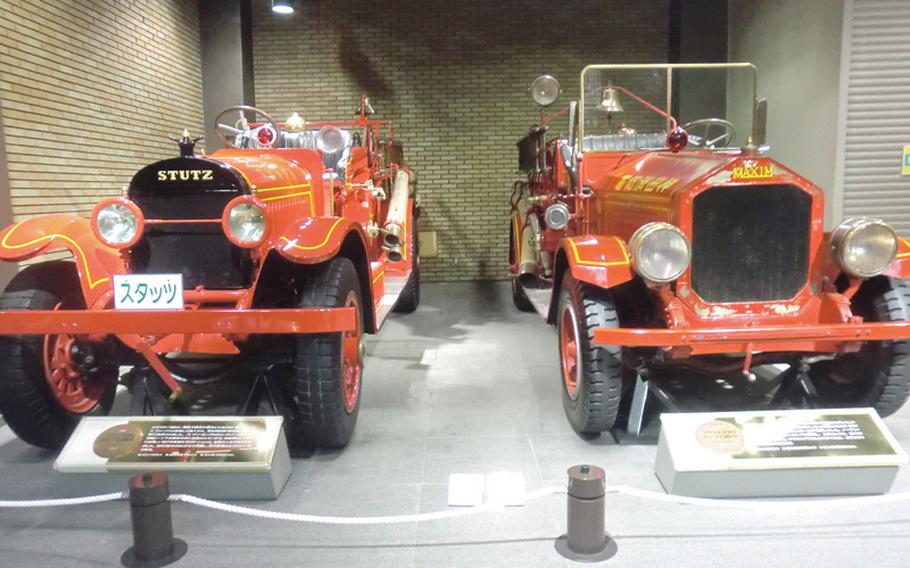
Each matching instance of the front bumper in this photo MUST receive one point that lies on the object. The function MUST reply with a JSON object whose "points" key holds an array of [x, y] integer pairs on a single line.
{"points": [[813, 337], [165, 322]]}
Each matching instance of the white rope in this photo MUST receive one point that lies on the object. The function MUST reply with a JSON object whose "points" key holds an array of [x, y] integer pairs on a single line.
{"points": [[461, 512], [616, 489], [331, 520], [64, 502], [760, 505]]}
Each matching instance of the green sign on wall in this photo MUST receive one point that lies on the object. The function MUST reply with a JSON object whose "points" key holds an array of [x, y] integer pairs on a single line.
{"points": [[905, 169]]}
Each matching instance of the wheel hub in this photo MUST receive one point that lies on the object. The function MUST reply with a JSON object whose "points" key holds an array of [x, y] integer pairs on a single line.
{"points": [[568, 351], [353, 355]]}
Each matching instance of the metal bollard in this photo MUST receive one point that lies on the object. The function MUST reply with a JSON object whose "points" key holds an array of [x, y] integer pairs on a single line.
{"points": [[586, 539], [153, 533]]}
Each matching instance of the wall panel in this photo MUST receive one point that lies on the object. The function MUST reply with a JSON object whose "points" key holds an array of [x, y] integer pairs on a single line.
{"points": [[454, 77]]}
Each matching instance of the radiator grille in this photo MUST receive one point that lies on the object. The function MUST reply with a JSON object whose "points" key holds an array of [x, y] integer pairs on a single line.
{"points": [[750, 244], [198, 251]]}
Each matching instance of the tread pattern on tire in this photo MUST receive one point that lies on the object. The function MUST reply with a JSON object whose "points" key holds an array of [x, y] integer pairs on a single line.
{"points": [[319, 389], [892, 389], [601, 383], [890, 383], [26, 401]]}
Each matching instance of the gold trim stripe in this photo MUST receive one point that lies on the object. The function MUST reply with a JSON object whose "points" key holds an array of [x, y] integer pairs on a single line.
{"points": [[320, 245], [270, 189], [578, 259], [82, 255], [906, 244]]}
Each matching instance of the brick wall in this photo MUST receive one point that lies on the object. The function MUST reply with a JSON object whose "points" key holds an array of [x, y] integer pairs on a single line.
{"points": [[90, 90], [453, 76]]}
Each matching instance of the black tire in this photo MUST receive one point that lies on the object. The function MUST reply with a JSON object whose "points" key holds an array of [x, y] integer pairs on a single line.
{"points": [[27, 401], [324, 419], [878, 375], [409, 299], [519, 298], [592, 406]]}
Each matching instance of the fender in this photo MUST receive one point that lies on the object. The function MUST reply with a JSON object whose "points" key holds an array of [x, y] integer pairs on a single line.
{"points": [[95, 261], [900, 268], [316, 239], [601, 261]]}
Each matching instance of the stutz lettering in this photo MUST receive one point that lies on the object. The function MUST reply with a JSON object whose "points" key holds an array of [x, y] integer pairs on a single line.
{"points": [[185, 175]]}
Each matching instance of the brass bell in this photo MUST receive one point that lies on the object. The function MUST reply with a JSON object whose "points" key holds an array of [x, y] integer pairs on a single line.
{"points": [[295, 123], [609, 101]]}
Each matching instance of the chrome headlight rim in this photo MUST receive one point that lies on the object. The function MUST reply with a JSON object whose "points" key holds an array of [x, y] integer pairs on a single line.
{"points": [[640, 238], [849, 229], [229, 220], [557, 216], [128, 212], [545, 90]]}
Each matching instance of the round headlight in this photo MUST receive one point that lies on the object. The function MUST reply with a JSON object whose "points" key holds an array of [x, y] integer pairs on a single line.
{"points": [[545, 90], [116, 224], [864, 247], [557, 216], [246, 224], [660, 252]]}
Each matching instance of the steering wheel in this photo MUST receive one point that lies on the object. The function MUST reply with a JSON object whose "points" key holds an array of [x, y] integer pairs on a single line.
{"points": [[706, 126], [229, 133]]}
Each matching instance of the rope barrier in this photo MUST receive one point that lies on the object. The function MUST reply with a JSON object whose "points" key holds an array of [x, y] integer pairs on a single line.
{"points": [[63, 502], [461, 512], [332, 520]]}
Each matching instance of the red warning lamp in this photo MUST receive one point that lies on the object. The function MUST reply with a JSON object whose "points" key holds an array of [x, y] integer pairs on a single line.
{"points": [[677, 139]]}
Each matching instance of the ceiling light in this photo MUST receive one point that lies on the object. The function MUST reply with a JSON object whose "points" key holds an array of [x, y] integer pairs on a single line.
{"points": [[283, 6]]}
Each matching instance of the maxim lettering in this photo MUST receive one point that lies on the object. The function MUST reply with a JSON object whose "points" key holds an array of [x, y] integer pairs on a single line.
{"points": [[752, 169], [185, 175]]}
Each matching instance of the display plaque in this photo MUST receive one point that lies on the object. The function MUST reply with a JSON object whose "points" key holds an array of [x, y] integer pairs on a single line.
{"points": [[224, 457], [777, 453]]}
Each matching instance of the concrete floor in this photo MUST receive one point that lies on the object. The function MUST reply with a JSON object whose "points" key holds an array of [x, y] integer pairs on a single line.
{"points": [[465, 385]]}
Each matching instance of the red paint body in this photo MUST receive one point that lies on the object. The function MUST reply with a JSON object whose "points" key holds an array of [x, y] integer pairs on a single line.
{"points": [[619, 191], [309, 216]]}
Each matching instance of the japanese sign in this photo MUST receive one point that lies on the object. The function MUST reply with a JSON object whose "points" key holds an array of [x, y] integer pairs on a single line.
{"points": [[905, 164], [148, 291]]}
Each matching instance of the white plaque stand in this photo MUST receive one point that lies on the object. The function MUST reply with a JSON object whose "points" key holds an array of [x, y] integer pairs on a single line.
{"points": [[777, 453], [215, 457]]}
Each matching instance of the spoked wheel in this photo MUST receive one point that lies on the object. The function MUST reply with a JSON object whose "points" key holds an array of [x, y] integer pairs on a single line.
{"points": [[73, 390], [353, 353], [328, 368], [568, 350], [48, 382], [877, 375], [592, 376]]}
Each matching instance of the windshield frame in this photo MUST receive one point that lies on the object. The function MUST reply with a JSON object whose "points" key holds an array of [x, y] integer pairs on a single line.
{"points": [[669, 67]]}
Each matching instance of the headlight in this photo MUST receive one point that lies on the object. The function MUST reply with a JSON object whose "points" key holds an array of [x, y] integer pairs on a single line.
{"points": [[660, 252], [244, 223], [863, 247], [557, 216], [117, 222], [545, 90]]}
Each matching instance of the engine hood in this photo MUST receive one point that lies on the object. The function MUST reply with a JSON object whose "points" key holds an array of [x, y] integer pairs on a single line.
{"points": [[186, 187], [660, 186]]}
